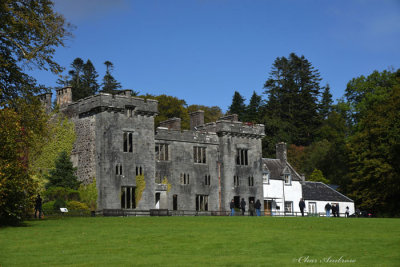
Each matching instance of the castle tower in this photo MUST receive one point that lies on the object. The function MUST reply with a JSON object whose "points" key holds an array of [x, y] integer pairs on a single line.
{"points": [[64, 96]]}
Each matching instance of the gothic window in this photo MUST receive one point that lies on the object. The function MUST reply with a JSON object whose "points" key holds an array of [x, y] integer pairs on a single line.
{"points": [[118, 169], [242, 157], [184, 178], [236, 181], [251, 181], [207, 180], [162, 152], [129, 111], [128, 197], [128, 139], [201, 202], [199, 154], [139, 170]]}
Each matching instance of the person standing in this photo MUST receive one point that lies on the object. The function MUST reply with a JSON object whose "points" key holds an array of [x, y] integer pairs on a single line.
{"points": [[38, 206], [334, 210], [302, 205], [258, 207], [346, 214], [232, 207], [337, 210], [243, 206], [251, 208], [328, 209]]}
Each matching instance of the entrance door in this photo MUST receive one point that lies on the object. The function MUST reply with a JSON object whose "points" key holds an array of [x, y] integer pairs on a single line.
{"points": [[312, 207], [175, 202], [267, 207]]}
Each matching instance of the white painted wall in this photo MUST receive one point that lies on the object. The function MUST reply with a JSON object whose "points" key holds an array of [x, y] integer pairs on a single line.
{"points": [[280, 193], [321, 206]]}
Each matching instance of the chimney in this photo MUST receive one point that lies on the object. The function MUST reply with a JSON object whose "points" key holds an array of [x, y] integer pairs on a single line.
{"points": [[46, 101], [281, 152], [172, 124], [64, 96], [196, 119]]}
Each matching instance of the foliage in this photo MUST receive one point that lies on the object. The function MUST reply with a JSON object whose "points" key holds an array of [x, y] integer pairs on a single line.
{"points": [[252, 111], [76, 205], [291, 112], [63, 175], [165, 181], [29, 33], [375, 145], [109, 83], [60, 137], [63, 193], [48, 206], [88, 194], [317, 176], [59, 203], [238, 106], [140, 186]]}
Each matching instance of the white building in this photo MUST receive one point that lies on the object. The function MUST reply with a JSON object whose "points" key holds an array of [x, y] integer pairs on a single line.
{"points": [[283, 188]]}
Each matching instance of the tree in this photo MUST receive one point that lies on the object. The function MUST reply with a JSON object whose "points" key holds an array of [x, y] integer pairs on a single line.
{"points": [[109, 82], [63, 175], [253, 109], [375, 144], [326, 102], [317, 176], [292, 106], [237, 107], [29, 33], [89, 79]]}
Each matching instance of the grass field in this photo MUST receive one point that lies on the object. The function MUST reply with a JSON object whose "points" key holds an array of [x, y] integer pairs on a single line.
{"points": [[197, 241]]}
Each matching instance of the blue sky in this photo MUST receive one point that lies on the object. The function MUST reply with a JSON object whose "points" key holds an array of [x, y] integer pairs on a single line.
{"points": [[203, 50]]}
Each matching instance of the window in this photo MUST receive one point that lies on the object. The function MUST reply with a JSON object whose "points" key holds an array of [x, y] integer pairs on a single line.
{"points": [[241, 157], [201, 202], [251, 181], [128, 197], [207, 180], [199, 154], [118, 169], [266, 178], [158, 178], [236, 181], [162, 152], [288, 206], [139, 170], [288, 179], [175, 202], [184, 178], [129, 111], [128, 147]]}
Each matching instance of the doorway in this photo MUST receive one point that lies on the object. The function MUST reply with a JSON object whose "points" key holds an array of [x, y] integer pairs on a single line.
{"points": [[312, 207], [175, 202], [267, 207]]}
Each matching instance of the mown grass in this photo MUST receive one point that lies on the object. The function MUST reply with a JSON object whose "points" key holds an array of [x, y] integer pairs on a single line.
{"points": [[199, 241]]}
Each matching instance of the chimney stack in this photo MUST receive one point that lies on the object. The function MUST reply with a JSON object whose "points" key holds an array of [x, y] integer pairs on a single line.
{"points": [[281, 152], [64, 96], [172, 124], [196, 119]]}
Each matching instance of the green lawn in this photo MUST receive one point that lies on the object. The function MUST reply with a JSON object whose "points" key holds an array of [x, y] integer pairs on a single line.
{"points": [[196, 241]]}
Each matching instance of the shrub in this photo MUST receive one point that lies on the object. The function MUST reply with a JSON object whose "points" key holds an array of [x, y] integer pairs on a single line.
{"points": [[88, 194], [59, 203], [76, 205], [48, 206]]}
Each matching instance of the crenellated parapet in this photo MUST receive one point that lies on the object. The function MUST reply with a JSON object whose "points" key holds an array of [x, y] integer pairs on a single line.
{"points": [[186, 136], [234, 128]]}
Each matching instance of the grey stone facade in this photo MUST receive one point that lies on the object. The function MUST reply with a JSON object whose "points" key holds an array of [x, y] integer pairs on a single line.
{"points": [[205, 167]]}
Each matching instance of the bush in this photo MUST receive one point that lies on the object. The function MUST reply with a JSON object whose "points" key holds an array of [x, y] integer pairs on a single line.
{"points": [[48, 206], [59, 203], [66, 194], [76, 205]]}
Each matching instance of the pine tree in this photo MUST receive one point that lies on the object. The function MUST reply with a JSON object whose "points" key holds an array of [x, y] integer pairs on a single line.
{"points": [[89, 79], [326, 102], [253, 109], [76, 79], [63, 175], [237, 107], [109, 82]]}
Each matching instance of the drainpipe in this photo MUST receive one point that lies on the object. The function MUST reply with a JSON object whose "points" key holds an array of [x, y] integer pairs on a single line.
{"points": [[219, 187], [283, 190]]}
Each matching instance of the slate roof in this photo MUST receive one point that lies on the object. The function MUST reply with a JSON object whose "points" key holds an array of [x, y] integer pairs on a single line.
{"points": [[276, 167], [322, 192]]}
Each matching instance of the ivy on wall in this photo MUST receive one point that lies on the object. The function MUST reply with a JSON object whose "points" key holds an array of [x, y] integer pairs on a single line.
{"points": [[140, 186], [165, 181]]}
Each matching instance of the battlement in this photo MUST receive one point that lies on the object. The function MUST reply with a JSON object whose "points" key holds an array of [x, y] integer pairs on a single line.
{"points": [[236, 128], [165, 134], [109, 102]]}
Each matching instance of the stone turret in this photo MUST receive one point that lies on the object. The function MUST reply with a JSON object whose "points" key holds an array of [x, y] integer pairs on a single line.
{"points": [[281, 152], [46, 101]]}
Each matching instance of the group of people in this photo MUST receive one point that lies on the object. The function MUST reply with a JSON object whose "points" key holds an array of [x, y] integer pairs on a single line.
{"points": [[335, 210], [252, 207]]}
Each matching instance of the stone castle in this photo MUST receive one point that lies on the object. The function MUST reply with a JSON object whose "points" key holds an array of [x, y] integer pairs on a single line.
{"points": [[201, 169]]}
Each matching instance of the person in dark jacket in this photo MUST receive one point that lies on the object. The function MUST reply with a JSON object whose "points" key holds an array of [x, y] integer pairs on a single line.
{"points": [[302, 205], [232, 207], [38, 206], [251, 208], [258, 207], [328, 209], [243, 206], [334, 210]]}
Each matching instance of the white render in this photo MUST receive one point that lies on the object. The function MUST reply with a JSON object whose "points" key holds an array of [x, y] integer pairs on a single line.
{"points": [[279, 192], [320, 207]]}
